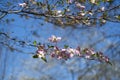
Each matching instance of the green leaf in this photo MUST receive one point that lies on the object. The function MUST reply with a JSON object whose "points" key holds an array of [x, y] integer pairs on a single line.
{"points": [[110, 1], [66, 46], [105, 14], [109, 63], [35, 43], [44, 59], [49, 9], [38, 4], [35, 56], [50, 46], [94, 55]]}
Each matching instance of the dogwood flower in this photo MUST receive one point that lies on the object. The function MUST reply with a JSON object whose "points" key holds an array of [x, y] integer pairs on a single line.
{"points": [[70, 50], [77, 51], [59, 13], [67, 53], [82, 13], [93, 1], [54, 39], [87, 56], [41, 54], [22, 4], [103, 21], [103, 9]]}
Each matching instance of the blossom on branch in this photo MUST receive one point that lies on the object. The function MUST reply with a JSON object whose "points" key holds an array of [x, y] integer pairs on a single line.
{"points": [[67, 52], [54, 39], [41, 53]]}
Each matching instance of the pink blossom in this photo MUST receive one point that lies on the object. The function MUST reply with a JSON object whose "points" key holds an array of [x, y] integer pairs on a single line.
{"points": [[63, 49], [89, 51], [106, 59], [71, 55], [59, 57], [41, 54], [71, 51], [87, 56], [55, 39], [67, 53], [53, 54], [77, 51]]}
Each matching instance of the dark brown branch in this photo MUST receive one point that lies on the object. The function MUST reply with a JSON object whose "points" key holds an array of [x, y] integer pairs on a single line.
{"points": [[65, 19], [12, 48], [18, 41]]}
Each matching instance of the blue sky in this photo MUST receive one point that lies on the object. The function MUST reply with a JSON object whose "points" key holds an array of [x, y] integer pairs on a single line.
{"points": [[22, 66]]}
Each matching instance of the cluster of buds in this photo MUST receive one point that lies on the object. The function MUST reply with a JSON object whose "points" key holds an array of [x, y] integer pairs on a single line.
{"points": [[41, 52], [66, 53]]}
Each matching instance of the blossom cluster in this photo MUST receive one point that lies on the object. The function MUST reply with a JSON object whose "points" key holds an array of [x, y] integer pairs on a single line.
{"points": [[66, 53]]}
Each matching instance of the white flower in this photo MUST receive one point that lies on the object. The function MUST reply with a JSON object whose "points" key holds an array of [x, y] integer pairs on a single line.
{"points": [[68, 10], [53, 38], [59, 11], [93, 1], [59, 15], [79, 5], [22, 4], [91, 13], [88, 23], [82, 7], [41, 54], [71, 55], [103, 21], [82, 14], [87, 57], [103, 9], [70, 50], [63, 49]]}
